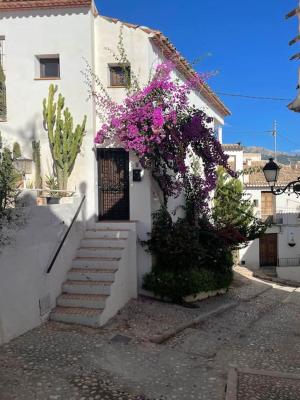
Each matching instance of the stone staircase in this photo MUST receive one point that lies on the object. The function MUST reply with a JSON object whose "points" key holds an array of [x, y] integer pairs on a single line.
{"points": [[101, 279]]}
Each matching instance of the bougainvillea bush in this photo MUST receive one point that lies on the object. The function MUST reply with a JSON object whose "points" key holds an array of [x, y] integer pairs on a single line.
{"points": [[159, 125]]}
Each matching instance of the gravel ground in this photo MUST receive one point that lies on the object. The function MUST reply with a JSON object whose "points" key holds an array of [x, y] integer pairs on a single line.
{"points": [[66, 362]]}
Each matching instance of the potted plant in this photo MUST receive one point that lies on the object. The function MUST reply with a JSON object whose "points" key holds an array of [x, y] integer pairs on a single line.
{"points": [[52, 187]]}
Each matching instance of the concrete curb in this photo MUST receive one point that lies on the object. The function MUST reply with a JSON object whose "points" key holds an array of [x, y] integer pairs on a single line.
{"points": [[232, 384], [159, 339], [280, 281], [233, 379]]}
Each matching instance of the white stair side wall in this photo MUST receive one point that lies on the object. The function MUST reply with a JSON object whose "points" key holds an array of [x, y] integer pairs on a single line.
{"points": [[124, 287], [23, 278]]}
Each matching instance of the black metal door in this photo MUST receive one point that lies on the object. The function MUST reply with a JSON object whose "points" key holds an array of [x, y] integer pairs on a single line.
{"points": [[113, 184]]}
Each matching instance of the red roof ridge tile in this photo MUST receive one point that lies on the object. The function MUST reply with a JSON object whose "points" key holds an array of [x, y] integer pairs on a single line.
{"points": [[11, 5]]}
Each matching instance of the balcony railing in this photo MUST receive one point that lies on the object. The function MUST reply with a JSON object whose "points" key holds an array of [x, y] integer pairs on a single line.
{"points": [[281, 217], [289, 262]]}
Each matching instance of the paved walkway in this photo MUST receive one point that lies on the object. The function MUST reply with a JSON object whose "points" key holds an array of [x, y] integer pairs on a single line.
{"points": [[64, 362]]}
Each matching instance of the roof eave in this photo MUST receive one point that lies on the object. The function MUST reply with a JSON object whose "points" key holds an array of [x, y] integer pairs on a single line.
{"points": [[188, 72]]}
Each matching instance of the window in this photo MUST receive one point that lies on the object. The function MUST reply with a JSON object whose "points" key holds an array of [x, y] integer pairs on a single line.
{"points": [[119, 75], [267, 205], [3, 110], [49, 67]]}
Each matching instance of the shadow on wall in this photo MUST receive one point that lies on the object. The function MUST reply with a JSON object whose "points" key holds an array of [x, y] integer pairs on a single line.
{"points": [[27, 292], [26, 134], [279, 246]]}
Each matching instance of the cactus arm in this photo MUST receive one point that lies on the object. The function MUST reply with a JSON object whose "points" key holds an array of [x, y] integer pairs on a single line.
{"points": [[76, 143], [65, 142]]}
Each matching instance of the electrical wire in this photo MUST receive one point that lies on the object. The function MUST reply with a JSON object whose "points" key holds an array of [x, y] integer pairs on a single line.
{"points": [[288, 139], [248, 133], [252, 97]]}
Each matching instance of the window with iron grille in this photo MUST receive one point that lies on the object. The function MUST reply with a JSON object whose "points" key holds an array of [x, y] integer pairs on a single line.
{"points": [[119, 75], [3, 109]]}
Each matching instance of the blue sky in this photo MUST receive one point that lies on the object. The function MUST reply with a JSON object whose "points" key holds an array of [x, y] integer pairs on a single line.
{"points": [[248, 42]]}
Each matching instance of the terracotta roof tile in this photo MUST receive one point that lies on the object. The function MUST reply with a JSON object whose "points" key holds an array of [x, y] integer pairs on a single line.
{"points": [[8, 5], [182, 65], [286, 174], [232, 147]]}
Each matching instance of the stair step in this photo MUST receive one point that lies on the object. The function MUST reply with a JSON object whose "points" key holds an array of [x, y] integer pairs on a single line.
{"points": [[109, 229], [82, 300], [92, 274], [87, 287], [96, 262], [100, 251], [106, 233], [103, 242], [77, 315]]}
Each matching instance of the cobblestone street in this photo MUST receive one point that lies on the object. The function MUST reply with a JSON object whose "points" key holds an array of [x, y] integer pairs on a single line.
{"points": [[261, 331]]}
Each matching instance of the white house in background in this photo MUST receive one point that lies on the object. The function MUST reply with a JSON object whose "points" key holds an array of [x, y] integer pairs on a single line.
{"points": [[280, 246], [44, 42], [235, 156]]}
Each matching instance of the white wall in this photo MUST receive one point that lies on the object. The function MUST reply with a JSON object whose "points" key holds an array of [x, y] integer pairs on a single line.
{"points": [[287, 215], [238, 156], [249, 256], [23, 278], [69, 33]]}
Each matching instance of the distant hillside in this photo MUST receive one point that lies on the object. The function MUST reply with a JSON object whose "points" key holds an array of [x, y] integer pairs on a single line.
{"points": [[282, 157]]}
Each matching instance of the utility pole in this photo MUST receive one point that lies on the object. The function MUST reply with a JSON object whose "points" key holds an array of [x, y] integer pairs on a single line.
{"points": [[274, 134]]}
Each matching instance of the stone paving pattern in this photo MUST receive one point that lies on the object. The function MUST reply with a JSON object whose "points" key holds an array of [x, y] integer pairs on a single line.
{"points": [[66, 362], [262, 387]]}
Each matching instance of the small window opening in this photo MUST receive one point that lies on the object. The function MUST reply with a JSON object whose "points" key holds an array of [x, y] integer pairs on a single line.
{"points": [[119, 75], [49, 67]]}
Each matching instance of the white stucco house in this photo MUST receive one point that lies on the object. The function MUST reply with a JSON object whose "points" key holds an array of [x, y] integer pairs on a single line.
{"points": [[279, 246], [48, 41]]}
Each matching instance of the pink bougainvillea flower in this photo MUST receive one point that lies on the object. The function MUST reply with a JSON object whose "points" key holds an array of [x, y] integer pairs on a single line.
{"points": [[159, 126]]}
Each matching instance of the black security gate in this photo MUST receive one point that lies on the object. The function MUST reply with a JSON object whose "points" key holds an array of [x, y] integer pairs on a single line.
{"points": [[113, 184]]}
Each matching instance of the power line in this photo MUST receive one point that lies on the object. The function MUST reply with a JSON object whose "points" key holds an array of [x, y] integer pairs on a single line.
{"points": [[268, 133], [248, 133], [252, 97], [288, 139]]}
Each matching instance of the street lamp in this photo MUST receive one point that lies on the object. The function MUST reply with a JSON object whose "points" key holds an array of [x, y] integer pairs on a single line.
{"points": [[271, 173]]}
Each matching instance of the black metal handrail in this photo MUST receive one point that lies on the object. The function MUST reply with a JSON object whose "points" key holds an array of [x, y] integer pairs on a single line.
{"points": [[65, 236]]}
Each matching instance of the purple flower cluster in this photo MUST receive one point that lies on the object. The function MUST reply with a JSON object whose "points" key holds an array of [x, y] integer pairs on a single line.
{"points": [[158, 124]]}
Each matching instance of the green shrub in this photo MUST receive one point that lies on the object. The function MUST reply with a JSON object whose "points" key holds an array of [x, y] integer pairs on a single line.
{"points": [[187, 259], [177, 285], [8, 183]]}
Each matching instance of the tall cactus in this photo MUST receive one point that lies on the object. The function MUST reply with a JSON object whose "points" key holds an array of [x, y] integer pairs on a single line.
{"points": [[36, 156], [16, 150], [64, 141]]}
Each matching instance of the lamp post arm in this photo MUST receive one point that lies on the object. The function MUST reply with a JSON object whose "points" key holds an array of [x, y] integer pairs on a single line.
{"points": [[291, 187]]}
